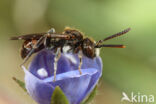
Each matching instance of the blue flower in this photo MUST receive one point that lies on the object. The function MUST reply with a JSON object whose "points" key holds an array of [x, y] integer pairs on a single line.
{"points": [[39, 78]]}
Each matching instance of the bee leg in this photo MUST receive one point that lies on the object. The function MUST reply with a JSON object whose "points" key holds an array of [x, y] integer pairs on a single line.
{"points": [[57, 56], [39, 42], [80, 64], [51, 31], [47, 37]]}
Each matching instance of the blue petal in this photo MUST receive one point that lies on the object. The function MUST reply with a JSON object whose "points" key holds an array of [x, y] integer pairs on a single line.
{"points": [[86, 63], [73, 84], [71, 74], [95, 78], [45, 59], [40, 91], [90, 63]]}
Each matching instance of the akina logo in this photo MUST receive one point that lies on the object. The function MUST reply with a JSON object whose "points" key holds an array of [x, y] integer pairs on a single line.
{"points": [[137, 98]]}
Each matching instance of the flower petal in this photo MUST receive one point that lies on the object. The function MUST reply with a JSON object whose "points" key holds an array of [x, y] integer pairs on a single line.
{"points": [[37, 89], [95, 77], [45, 60], [73, 84], [90, 63], [86, 62]]}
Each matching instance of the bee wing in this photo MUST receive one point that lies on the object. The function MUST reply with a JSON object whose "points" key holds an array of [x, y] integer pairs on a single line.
{"points": [[28, 36]]}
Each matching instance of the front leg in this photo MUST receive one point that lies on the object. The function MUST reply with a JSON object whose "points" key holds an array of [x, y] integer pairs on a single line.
{"points": [[80, 58]]}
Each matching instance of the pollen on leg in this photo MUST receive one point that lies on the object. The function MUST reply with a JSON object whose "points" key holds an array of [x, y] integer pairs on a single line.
{"points": [[42, 72]]}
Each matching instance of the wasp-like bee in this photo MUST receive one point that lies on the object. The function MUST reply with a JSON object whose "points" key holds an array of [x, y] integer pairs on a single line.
{"points": [[73, 38]]}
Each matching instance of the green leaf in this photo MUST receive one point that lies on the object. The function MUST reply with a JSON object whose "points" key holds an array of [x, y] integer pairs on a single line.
{"points": [[90, 97], [20, 83], [59, 97]]}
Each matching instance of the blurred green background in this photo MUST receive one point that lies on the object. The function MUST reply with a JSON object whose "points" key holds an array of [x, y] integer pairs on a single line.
{"points": [[132, 69]]}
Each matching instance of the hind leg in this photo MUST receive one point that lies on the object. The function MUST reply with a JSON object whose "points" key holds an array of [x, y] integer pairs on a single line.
{"points": [[57, 57]]}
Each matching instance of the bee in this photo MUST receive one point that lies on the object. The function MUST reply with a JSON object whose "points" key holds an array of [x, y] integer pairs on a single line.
{"points": [[76, 40]]}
